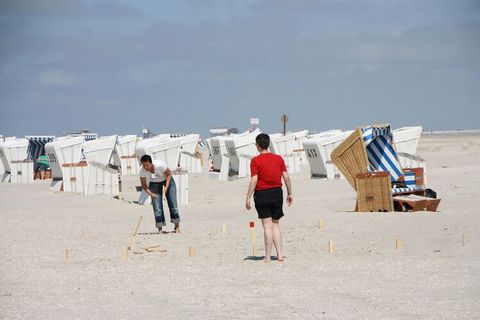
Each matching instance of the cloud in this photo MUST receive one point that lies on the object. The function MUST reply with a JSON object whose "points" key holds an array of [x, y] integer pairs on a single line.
{"points": [[56, 78]]}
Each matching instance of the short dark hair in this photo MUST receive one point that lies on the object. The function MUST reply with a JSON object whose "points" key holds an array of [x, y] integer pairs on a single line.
{"points": [[146, 158], [263, 141]]}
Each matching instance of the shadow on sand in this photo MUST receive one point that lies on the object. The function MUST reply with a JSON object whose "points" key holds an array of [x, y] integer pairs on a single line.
{"points": [[259, 258]]}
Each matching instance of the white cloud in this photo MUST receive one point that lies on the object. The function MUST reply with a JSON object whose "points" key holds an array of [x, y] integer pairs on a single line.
{"points": [[52, 78]]}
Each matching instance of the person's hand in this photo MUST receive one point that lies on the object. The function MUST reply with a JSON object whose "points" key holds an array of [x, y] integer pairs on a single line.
{"points": [[289, 200], [248, 204], [153, 195]]}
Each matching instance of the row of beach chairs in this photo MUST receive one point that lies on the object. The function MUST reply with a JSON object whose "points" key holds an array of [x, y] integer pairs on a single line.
{"points": [[92, 165]]}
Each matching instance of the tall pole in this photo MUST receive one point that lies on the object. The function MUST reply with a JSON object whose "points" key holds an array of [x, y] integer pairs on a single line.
{"points": [[284, 122]]}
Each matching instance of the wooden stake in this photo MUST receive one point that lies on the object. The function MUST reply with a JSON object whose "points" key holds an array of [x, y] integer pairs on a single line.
{"points": [[321, 224], [138, 226], [157, 248], [331, 246], [255, 250], [192, 252], [224, 228], [252, 237], [133, 243], [398, 244], [125, 253]]}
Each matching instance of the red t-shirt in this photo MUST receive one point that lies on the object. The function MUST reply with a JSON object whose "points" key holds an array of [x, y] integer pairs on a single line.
{"points": [[269, 168]]}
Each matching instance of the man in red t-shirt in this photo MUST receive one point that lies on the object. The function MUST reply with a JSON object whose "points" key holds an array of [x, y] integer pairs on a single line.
{"points": [[267, 170]]}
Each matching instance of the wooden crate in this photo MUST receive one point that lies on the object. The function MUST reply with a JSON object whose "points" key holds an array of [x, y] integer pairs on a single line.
{"points": [[373, 192]]}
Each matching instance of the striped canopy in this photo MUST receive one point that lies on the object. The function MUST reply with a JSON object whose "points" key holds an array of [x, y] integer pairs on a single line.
{"points": [[380, 151], [36, 146]]}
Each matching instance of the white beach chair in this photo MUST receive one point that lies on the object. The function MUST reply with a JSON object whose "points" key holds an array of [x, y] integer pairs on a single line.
{"points": [[69, 173], [102, 173], [18, 168], [406, 140], [220, 160], [189, 159], [125, 149], [286, 147], [318, 150], [240, 150]]}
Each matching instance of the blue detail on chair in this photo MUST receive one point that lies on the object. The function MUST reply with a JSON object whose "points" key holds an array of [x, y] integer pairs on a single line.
{"points": [[36, 146], [380, 152]]}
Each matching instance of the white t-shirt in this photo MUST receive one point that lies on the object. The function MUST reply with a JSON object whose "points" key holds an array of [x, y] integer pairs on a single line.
{"points": [[158, 176]]}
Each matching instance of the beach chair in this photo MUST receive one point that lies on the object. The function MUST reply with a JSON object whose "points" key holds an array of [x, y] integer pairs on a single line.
{"points": [[286, 146], [189, 157], [240, 151], [318, 149], [369, 161], [102, 173], [220, 161], [406, 141], [125, 149], [36, 147], [69, 172], [17, 167]]}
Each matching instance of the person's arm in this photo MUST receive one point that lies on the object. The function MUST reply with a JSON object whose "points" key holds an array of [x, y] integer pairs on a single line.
{"points": [[143, 182], [251, 188], [168, 176], [288, 184]]}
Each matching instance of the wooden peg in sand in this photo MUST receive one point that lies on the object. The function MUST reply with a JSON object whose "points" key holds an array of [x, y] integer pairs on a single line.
{"points": [[331, 246], [192, 252], [252, 237], [124, 254], [133, 243], [255, 250], [398, 244], [138, 226], [252, 230], [321, 224]]}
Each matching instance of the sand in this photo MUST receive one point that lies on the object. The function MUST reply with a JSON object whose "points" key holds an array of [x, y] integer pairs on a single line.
{"points": [[435, 275]]}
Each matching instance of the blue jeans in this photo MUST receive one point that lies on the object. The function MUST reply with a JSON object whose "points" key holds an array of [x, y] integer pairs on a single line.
{"points": [[157, 203]]}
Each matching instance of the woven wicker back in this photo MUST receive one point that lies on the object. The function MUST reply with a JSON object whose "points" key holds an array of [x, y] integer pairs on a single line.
{"points": [[350, 157]]}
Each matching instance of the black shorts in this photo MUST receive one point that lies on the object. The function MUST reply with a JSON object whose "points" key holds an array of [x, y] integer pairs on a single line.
{"points": [[269, 203]]}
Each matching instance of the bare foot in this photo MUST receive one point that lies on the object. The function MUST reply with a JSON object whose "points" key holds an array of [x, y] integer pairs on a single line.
{"points": [[267, 260], [177, 228], [280, 259], [160, 231]]}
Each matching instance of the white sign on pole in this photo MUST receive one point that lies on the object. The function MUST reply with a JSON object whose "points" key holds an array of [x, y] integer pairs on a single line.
{"points": [[255, 121]]}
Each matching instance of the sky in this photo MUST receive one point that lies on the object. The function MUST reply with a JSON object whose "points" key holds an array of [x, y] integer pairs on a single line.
{"points": [[186, 66]]}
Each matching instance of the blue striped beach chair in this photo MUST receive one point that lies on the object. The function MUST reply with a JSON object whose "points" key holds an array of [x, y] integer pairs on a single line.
{"points": [[382, 156], [365, 153]]}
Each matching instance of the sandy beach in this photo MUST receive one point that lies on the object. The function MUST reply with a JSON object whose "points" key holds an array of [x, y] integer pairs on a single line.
{"points": [[435, 274]]}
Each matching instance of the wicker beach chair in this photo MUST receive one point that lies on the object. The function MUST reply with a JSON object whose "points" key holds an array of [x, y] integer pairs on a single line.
{"points": [[369, 162]]}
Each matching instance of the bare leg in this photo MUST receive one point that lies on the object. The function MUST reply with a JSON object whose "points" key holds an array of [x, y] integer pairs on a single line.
{"points": [[277, 239], [42, 174], [268, 237], [177, 228]]}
